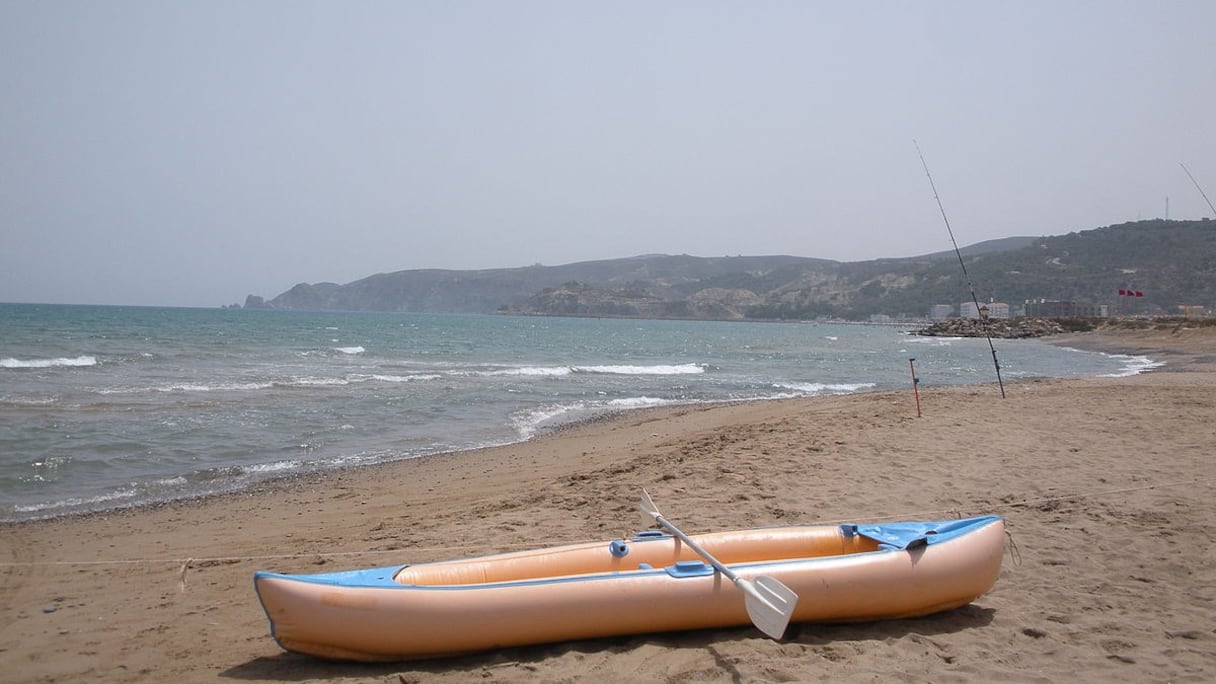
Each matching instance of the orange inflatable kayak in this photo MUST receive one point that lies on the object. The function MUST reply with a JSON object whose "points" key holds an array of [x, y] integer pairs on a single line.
{"points": [[652, 582]]}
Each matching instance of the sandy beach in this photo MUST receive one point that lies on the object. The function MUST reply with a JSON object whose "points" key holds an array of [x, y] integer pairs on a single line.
{"points": [[1106, 485]]}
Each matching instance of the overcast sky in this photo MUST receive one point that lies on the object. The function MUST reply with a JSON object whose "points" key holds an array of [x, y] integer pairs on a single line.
{"points": [[190, 153]]}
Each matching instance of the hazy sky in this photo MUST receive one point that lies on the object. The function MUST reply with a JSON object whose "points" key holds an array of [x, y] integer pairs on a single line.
{"points": [[190, 153]]}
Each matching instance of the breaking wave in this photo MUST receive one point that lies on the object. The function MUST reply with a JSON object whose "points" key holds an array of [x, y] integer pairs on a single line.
{"points": [[76, 362], [818, 388], [558, 371]]}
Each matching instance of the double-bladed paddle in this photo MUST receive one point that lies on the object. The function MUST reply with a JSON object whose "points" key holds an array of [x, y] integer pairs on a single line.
{"points": [[769, 602]]}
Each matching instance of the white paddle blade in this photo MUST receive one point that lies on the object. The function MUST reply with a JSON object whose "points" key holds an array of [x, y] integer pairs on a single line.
{"points": [[770, 604], [650, 512]]}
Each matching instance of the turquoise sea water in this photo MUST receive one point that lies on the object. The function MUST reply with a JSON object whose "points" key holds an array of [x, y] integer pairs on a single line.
{"points": [[104, 407]]}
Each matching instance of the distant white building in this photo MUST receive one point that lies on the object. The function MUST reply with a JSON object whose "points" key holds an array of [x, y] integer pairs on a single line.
{"points": [[995, 310], [940, 312]]}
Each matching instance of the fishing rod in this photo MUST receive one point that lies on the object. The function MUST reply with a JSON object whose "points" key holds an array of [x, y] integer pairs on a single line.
{"points": [[966, 277], [1201, 192]]}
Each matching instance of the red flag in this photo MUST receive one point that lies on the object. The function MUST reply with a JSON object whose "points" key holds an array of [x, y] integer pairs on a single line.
{"points": [[1122, 293], [1139, 293]]}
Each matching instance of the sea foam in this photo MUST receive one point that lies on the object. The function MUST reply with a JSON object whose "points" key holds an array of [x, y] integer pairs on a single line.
{"points": [[1133, 365], [559, 371], [677, 369], [819, 388], [79, 361]]}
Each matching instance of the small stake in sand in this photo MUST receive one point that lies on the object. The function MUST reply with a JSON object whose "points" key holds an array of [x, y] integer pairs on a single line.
{"points": [[769, 603], [915, 383]]}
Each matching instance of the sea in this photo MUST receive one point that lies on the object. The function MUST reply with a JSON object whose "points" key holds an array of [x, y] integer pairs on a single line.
{"points": [[106, 407]]}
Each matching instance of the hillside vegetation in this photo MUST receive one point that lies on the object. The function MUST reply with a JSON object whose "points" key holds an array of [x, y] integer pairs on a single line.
{"points": [[1172, 262]]}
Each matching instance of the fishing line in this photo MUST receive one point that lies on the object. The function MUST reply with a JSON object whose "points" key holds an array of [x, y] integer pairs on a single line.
{"points": [[1201, 192], [966, 277]]}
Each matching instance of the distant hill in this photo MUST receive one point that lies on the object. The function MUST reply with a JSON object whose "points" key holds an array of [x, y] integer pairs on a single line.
{"points": [[998, 245], [487, 291], [1172, 262]]}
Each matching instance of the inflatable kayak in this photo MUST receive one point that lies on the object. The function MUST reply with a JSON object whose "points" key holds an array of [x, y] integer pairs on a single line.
{"points": [[652, 582]]}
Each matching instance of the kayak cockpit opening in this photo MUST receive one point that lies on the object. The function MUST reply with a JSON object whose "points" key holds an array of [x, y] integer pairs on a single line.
{"points": [[645, 551]]}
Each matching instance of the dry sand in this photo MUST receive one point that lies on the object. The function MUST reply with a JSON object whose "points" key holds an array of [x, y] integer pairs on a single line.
{"points": [[1106, 484]]}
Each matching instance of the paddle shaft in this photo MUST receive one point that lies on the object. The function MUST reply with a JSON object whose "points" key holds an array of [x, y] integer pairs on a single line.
{"points": [[770, 604], [717, 565]]}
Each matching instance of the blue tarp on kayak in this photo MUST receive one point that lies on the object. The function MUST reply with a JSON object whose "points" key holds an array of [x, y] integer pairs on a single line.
{"points": [[907, 535]]}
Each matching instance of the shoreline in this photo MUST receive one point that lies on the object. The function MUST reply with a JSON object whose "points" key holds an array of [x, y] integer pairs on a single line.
{"points": [[320, 473], [1101, 481]]}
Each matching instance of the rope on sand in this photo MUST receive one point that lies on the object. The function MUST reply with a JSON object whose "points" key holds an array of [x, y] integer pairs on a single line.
{"points": [[957, 513], [222, 560], [185, 564]]}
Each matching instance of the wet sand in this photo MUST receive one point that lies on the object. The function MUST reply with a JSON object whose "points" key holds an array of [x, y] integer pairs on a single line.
{"points": [[1106, 485]]}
